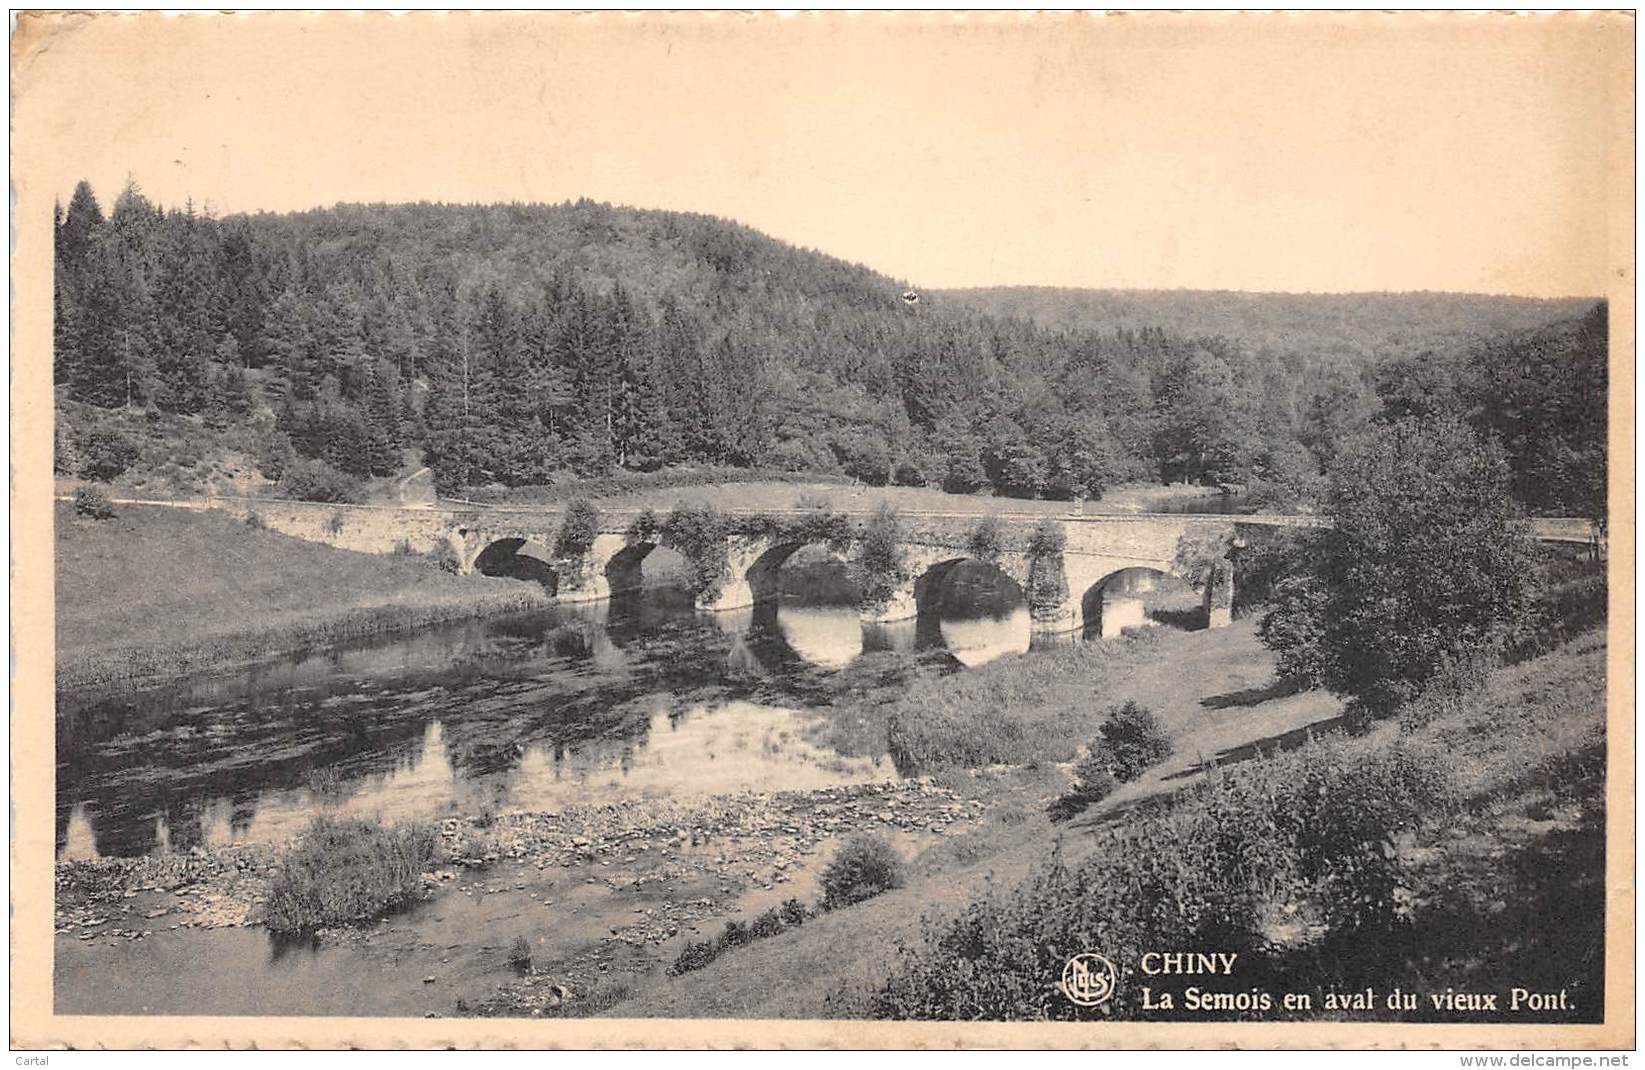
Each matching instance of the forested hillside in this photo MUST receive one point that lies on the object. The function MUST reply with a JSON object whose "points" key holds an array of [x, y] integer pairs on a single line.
{"points": [[519, 344], [1351, 329]]}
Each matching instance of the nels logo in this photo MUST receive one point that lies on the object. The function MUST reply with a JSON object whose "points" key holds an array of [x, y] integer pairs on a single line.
{"points": [[1089, 979]]}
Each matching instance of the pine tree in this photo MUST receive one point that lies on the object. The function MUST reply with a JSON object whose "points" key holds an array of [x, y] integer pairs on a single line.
{"points": [[286, 343]]}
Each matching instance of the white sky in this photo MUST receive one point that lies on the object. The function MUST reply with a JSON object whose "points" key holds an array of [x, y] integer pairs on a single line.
{"points": [[1329, 153]]}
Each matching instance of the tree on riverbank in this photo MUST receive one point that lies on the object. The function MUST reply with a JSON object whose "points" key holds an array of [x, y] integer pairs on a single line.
{"points": [[1427, 568]]}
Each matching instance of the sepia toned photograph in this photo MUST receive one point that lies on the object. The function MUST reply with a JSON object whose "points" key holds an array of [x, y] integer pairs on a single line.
{"points": [[881, 530]]}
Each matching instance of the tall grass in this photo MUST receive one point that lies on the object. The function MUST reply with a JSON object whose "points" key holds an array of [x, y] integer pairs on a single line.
{"points": [[1012, 711], [348, 871]]}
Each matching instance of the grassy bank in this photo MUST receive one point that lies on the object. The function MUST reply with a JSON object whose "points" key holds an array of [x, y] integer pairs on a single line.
{"points": [[156, 593], [1039, 708], [1426, 856], [1429, 854]]}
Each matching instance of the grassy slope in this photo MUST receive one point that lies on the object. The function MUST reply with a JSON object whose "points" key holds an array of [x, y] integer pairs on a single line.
{"points": [[1176, 674], [154, 584], [1546, 713]]}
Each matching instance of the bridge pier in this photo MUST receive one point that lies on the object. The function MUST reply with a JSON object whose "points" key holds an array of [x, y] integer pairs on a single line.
{"points": [[586, 577]]}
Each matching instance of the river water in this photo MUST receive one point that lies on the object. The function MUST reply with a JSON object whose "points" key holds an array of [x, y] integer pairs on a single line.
{"points": [[641, 696]]}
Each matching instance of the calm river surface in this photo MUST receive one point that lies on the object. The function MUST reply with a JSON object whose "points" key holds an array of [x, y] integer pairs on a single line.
{"points": [[576, 704]]}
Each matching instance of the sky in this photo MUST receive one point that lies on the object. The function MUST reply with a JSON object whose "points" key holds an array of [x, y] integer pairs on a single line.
{"points": [[1245, 152]]}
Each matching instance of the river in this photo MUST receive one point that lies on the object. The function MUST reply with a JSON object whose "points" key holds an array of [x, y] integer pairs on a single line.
{"points": [[641, 696]]}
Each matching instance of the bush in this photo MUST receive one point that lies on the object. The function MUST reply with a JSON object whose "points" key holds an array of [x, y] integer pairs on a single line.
{"points": [[986, 540], [578, 528], [445, 558], [816, 522], [865, 867], [275, 456], [698, 532], [908, 473], [699, 953], [1293, 848], [106, 453], [864, 457], [254, 521], [519, 954], [316, 481], [1047, 576], [644, 529], [348, 871], [1132, 740], [694, 956], [878, 568], [1093, 782], [93, 503]]}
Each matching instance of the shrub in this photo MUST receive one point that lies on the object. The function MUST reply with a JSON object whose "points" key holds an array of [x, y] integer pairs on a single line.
{"points": [[863, 868], [65, 453], [519, 954], [445, 558], [1132, 740], [578, 528], [92, 502], [1047, 577], [908, 473], [275, 456], [326, 781], [335, 522], [864, 457], [878, 568], [698, 532], [105, 453], [817, 522], [797, 455], [986, 540], [1292, 848], [1047, 540], [694, 956], [346, 871], [779, 919], [254, 521], [316, 481], [644, 529], [1093, 782]]}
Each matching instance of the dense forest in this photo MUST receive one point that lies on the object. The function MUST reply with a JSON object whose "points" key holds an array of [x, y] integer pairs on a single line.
{"points": [[521, 344]]}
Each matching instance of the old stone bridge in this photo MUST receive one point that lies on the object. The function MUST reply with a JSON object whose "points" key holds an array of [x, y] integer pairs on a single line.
{"points": [[1105, 558], [1102, 555]]}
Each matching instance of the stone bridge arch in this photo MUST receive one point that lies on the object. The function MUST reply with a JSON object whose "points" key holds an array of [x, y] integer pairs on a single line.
{"points": [[1096, 550], [517, 557]]}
